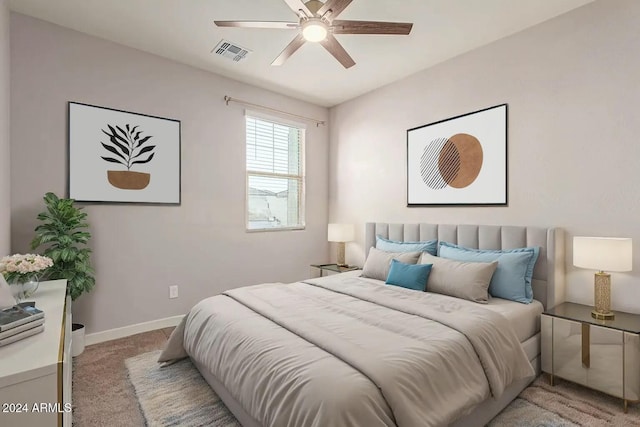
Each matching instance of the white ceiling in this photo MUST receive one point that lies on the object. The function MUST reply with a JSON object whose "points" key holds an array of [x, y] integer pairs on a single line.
{"points": [[183, 30]]}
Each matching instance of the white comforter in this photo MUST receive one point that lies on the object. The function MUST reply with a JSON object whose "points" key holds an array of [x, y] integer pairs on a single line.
{"points": [[346, 351]]}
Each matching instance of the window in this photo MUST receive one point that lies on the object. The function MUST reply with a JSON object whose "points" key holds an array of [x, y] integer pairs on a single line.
{"points": [[275, 174]]}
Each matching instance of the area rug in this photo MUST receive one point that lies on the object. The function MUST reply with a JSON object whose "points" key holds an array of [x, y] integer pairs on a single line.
{"points": [[565, 405], [178, 396]]}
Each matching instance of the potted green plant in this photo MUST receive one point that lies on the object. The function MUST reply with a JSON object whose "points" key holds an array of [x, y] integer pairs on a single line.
{"points": [[64, 235]]}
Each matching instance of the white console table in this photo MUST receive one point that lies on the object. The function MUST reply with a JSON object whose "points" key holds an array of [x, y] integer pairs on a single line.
{"points": [[35, 373]]}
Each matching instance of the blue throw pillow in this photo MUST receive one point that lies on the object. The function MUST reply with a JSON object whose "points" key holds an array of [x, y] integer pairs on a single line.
{"points": [[512, 278], [410, 276], [430, 246]]}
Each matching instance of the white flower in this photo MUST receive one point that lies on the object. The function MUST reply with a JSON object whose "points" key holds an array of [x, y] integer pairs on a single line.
{"points": [[24, 264]]}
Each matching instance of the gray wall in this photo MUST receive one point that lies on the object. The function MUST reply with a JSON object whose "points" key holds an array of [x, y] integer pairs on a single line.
{"points": [[139, 251], [572, 85], [5, 186]]}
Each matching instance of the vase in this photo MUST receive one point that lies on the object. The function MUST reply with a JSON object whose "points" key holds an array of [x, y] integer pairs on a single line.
{"points": [[23, 288]]}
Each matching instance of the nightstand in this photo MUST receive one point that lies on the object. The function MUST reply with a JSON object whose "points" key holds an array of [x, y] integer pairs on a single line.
{"points": [[333, 268], [600, 354]]}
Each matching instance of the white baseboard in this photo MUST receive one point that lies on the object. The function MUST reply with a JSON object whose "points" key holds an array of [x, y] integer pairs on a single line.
{"points": [[125, 331]]}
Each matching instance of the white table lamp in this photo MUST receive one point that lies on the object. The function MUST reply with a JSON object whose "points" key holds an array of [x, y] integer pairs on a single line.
{"points": [[341, 233], [602, 253]]}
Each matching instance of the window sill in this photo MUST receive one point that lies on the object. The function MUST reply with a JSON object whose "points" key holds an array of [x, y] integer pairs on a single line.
{"points": [[268, 230]]}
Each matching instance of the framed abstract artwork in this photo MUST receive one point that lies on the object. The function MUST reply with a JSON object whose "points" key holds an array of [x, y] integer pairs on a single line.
{"points": [[122, 157], [459, 161]]}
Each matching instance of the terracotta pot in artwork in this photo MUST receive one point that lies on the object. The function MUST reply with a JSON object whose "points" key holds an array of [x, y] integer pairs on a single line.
{"points": [[128, 180]]}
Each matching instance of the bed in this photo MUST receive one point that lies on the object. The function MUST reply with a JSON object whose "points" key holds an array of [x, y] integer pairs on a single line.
{"points": [[346, 350]]}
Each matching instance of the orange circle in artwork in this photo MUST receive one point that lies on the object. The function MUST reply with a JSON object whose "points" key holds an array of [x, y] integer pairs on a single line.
{"points": [[468, 160]]}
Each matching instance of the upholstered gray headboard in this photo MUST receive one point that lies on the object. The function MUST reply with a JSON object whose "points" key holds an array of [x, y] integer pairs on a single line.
{"points": [[548, 275]]}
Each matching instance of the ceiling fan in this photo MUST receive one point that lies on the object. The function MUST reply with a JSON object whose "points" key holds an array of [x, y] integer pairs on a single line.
{"points": [[317, 23]]}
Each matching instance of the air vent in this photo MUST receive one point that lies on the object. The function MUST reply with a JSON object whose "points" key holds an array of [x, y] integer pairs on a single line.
{"points": [[230, 51]]}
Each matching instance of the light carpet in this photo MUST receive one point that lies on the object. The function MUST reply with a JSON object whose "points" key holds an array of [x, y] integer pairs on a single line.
{"points": [[177, 395]]}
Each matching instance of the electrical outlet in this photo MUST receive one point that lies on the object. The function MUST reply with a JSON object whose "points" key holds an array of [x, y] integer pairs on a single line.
{"points": [[173, 291]]}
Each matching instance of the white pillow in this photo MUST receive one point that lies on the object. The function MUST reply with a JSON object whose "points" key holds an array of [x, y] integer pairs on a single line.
{"points": [[466, 280], [378, 262]]}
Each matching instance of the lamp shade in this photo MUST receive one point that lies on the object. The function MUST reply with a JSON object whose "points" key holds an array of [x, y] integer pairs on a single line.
{"points": [[603, 253], [340, 233]]}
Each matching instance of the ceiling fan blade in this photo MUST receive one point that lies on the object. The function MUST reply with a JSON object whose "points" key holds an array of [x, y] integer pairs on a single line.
{"points": [[336, 7], [289, 50], [297, 6], [371, 27], [335, 48], [259, 24]]}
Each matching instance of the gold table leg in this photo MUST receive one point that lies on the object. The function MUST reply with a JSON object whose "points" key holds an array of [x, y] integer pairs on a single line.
{"points": [[551, 379]]}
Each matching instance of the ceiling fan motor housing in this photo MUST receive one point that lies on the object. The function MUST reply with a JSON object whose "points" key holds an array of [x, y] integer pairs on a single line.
{"points": [[314, 6]]}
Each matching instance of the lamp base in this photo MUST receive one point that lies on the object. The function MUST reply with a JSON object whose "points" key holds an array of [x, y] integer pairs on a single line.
{"points": [[341, 262], [602, 316], [602, 297]]}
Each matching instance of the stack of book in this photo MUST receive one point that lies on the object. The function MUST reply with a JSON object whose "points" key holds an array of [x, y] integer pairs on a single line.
{"points": [[18, 322]]}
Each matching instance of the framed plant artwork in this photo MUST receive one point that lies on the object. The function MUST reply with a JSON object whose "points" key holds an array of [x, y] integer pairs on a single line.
{"points": [[122, 157], [459, 161]]}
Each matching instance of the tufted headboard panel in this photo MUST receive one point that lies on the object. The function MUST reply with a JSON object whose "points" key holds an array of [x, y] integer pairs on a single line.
{"points": [[548, 276]]}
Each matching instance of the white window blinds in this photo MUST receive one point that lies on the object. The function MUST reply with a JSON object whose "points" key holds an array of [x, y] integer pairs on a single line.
{"points": [[275, 174]]}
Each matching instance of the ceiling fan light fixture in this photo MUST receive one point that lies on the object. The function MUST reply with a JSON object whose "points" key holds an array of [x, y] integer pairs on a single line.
{"points": [[317, 23], [314, 30]]}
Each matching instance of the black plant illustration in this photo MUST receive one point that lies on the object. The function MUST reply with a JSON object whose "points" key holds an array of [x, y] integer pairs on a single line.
{"points": [[127, 145]]}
